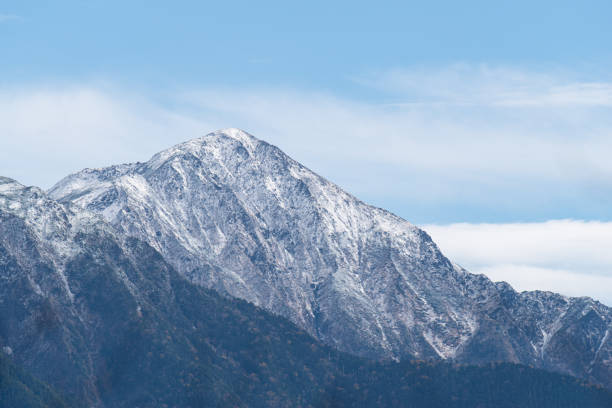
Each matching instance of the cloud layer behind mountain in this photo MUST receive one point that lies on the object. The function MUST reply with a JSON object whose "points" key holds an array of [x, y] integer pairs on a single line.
{"points": [[566, 256]]}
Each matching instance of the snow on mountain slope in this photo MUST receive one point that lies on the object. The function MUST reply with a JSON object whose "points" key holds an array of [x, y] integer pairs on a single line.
{"points": [[236, 214]]}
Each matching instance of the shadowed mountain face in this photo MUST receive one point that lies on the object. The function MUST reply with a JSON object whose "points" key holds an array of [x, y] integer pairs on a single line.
{"points": [[233, 213], [105, 320]]}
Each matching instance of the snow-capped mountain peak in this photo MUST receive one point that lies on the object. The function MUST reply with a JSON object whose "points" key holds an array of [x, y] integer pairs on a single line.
{"points": [[236, 214]]}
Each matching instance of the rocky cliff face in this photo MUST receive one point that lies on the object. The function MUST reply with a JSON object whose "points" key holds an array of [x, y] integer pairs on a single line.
{"points": [[236, 214]]}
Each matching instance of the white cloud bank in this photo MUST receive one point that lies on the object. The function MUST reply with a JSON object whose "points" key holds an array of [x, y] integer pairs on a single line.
{"points": [[566, 256]]}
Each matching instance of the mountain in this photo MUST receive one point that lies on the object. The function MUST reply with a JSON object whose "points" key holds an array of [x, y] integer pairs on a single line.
{"points": [[106, 321], [235, 214]]}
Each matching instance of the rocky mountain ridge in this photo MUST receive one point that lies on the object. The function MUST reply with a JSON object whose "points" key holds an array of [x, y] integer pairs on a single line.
{"points": [[233, 213]]}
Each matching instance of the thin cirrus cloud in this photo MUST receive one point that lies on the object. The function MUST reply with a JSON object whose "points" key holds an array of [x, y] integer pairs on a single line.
{"points": [[482, 85], [571, 257]]}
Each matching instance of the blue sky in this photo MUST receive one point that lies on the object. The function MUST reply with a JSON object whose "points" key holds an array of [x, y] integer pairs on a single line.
{"points": [[444, 112], [319, 45]]}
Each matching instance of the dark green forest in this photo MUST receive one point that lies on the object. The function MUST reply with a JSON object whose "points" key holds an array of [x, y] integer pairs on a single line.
{"points": [[219, 352]]}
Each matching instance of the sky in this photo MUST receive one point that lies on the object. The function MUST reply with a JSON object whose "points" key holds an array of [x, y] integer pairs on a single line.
{"points": [[484, 122]]}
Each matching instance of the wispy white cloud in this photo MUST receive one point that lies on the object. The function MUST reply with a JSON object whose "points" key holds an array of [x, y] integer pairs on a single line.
{"points": [[567, 256], [429, 153], [483, 85]]}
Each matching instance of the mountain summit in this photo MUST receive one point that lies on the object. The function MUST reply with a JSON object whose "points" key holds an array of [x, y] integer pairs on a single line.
{"points": [[236, 214]]}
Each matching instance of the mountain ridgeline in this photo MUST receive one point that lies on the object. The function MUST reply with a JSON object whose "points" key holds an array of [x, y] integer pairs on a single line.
{"points": [[235, 214], [91, 317]]}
